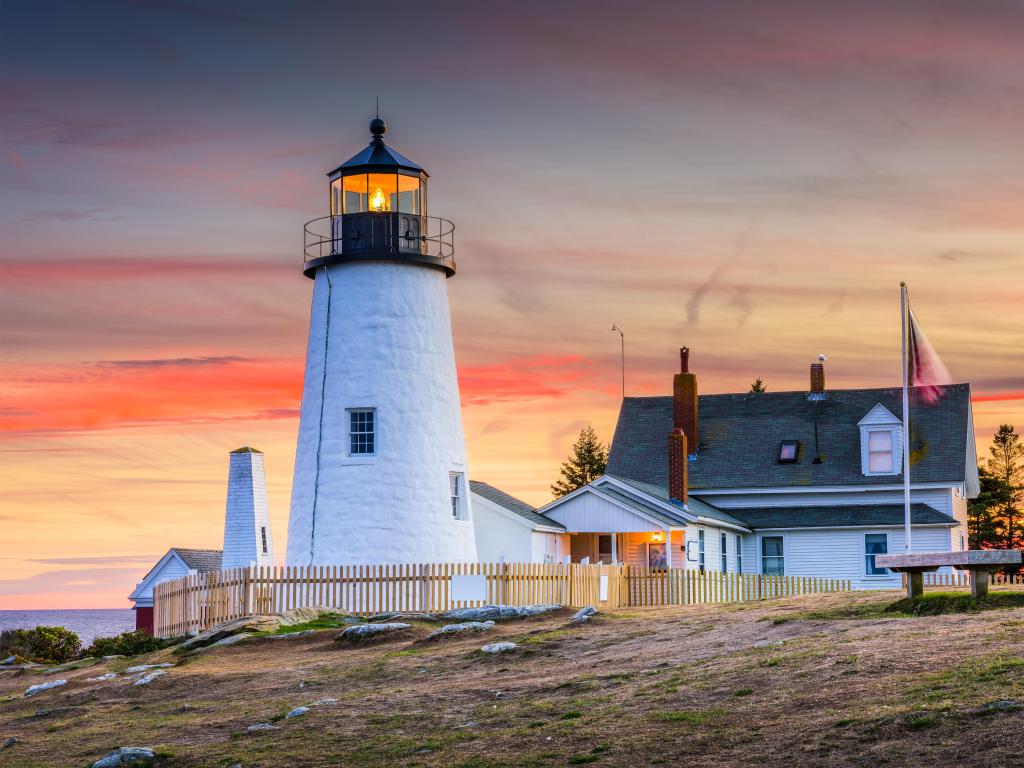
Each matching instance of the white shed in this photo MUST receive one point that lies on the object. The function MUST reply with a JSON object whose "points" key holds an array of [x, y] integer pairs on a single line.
{"points": [[510, 530]]}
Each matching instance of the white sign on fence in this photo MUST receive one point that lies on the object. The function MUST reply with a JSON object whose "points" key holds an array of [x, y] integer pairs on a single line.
{"points": [[469, 587], [602, 587]]}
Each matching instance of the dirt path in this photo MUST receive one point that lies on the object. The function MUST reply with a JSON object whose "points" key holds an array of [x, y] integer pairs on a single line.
{"points": [[695, 686]]}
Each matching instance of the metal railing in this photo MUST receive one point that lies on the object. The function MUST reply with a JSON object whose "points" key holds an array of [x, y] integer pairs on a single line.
{"points": [[427, 239]]}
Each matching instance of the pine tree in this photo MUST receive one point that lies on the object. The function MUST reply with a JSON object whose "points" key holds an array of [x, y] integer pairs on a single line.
{"points": [[587, 462], [1006, 462], [985, 522], [758, 385]]}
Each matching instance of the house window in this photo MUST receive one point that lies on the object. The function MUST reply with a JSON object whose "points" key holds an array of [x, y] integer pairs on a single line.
{"points": [[263, 534], [788, 451], [739, 553], [725, 554], [656, 557], [880, 453], [361, 432], [875, 544], [700, 549], [773, 562], [458, 500], [604, 548]]}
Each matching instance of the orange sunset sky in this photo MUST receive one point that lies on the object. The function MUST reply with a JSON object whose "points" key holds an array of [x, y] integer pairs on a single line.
{"points": [[752, 180]]}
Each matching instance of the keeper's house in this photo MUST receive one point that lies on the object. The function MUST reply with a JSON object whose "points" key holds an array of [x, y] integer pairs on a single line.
{"points": [[795, 483]]}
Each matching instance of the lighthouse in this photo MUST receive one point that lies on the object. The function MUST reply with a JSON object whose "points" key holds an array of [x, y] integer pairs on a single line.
{"points": [[380, 465]]}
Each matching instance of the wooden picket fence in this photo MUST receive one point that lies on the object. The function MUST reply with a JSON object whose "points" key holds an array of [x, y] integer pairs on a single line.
{"points": [[201, 600], [963, 579]]}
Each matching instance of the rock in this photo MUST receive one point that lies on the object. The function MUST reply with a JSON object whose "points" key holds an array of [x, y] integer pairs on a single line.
{"points": [[269, 623], [144, 667], [114, 656], [8, 743], [457, 629], [260, 727], [403, 616], [583, 614], [77, 664], [8, 661], [229, 640], [297, 712], [101, 678], [503, 647], [125, 756], [323, 702], [34, 689], [147, 679], [289, 635], [528, 611], [484, 613], [359, 632]]}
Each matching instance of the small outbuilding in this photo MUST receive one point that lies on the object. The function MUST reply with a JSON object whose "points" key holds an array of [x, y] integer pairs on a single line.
{"points": [[510, 530], [176, 563]]}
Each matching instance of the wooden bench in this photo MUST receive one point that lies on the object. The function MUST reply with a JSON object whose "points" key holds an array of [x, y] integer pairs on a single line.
{"points": [[980, 563]]}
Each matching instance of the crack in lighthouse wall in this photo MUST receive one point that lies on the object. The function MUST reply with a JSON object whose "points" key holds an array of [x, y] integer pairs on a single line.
{"points": [[388, 347]]}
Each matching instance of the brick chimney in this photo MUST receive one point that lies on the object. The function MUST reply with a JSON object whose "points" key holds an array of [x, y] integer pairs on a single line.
{"points": [[677, 466], [817, 378], [684, 401]]}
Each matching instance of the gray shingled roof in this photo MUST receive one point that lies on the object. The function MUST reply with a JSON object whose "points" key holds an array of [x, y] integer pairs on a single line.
{"points": [[512, 504], [201, 560], [694, 506], [739, 438], [840, 516]]}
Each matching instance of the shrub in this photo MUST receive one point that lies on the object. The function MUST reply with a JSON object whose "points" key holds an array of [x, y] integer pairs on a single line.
{"points": [[42, 644], [125, 644]]}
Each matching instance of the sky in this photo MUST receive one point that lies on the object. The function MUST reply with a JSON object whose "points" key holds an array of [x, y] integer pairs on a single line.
{"points": [[748, 179]]}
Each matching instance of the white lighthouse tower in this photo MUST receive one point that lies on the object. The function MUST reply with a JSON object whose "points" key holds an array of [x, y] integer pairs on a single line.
{"points": [[380, 467]]}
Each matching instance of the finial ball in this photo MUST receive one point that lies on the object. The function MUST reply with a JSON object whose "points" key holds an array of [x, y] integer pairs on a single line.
{"points": [[378, 126]]}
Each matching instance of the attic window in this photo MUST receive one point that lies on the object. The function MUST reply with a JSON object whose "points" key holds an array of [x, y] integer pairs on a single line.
{"points": [[788, 451]]}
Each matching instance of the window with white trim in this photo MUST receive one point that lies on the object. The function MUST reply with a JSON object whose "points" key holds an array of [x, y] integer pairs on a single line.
{"points": [[458, 496], [700, 548], [362, 434], [725, 553], [773, 560], [880, 452], [739, 553], [875, 544]]}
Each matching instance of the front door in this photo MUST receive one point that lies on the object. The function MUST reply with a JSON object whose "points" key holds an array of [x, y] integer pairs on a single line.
{"points": [[604, 548]]}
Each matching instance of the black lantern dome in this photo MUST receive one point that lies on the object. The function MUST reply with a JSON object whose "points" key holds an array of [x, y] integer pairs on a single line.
{"points": [[378, 204]]}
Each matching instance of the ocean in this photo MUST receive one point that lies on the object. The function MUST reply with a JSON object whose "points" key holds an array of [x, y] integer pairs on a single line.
{"points": [[88, 623]]}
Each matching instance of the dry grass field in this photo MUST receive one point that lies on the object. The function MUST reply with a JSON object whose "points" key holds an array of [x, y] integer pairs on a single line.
{"points": [[822, 680]]}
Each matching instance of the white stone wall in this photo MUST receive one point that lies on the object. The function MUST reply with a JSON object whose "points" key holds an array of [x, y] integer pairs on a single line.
{"points": [[247, 513], [383, 340]]}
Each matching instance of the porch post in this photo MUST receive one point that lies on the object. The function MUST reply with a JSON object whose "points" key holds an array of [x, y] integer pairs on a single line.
{"points": [[615, 548]]}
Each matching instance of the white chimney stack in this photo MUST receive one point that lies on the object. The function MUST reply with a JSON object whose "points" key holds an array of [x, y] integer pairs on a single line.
{"points": [[247, 537]]}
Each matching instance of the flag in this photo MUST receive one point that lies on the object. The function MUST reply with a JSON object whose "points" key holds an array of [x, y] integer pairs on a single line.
{"points": [[925, 369]]}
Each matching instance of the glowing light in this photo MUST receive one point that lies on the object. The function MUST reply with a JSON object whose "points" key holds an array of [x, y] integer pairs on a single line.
{"points": [[379, 201], [657, 537]]}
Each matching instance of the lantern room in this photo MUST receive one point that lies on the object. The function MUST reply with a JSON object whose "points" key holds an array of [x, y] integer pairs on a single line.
{"points": [[378, 211]]}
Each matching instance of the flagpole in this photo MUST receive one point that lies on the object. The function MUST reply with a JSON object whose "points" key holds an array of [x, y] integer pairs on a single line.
{"points": [[906, 421]]}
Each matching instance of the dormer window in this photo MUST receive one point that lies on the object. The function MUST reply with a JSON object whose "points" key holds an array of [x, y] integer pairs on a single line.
{"points": [[789, 450], [880, 457], [881, 444]]}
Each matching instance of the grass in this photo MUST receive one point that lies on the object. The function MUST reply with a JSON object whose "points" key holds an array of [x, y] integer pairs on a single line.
{"points": [[928, 604], [697, 717], [323, 621]]}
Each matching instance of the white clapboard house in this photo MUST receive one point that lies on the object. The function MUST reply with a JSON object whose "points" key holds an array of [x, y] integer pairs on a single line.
{"points": [[796, 483]]}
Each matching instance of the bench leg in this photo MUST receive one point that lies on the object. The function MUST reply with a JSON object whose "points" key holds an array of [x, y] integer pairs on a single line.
{"points": [[915, 584], [979, 583]]}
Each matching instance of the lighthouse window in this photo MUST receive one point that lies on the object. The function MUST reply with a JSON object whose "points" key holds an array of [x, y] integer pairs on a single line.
{"points": [[409, 194], [263, 533], [383, 190], [455, 481], [355, 193], [362, 437]]}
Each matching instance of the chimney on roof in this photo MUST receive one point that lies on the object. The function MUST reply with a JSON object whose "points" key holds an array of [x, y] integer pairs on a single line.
{"points": [[684, 401], [817, 377], [677, 466]]}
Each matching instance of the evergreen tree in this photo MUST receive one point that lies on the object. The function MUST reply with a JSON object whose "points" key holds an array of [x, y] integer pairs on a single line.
{"points": [[985, 522], [758, 385], [1006, 462], [587, 462]]}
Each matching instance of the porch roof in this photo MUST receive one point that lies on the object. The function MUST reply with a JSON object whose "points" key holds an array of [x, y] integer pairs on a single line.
{"points": [[697, 507]]}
